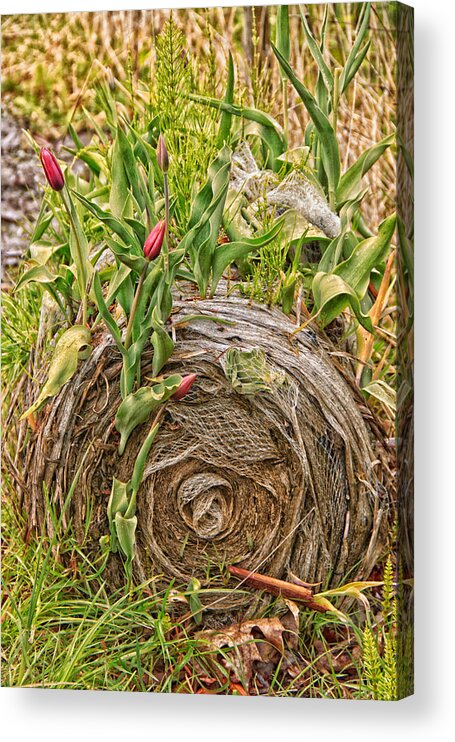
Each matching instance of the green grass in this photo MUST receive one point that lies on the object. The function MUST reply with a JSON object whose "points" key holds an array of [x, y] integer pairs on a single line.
{"points": [[61, 628], [20, 320]]}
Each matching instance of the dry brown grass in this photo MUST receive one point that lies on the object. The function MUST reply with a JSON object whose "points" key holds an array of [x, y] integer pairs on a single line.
{"points": [[51, 61]]}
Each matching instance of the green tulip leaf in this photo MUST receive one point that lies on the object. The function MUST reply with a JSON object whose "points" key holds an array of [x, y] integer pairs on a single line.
{"points": [[347, 283], [350, 182], [226, 116], [357, 54], [163, 345], [137, 407], [194, 600], [288, 294], [118, 503], [120, 198], [126, 256], [73, 345], [106, 315], [79, 246], [329, 146], [283, 36], [332, 295], [316, 52], [139, 229], [268, 129], [126, 535], [130, 167], [366, 255], [126, 530], [112, 223], [42, 250], [234, 251], [42, 222], [206, 218], [37, 274], [139, 464], [383, 392]]}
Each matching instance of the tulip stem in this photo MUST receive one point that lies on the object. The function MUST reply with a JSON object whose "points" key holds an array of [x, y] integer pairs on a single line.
{"points": [[81, 272], [137, 295], [131, 509], [166, 216]]}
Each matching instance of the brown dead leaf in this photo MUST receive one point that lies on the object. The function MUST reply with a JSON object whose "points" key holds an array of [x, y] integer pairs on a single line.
{"points": [[255, 647], [337, 659]]}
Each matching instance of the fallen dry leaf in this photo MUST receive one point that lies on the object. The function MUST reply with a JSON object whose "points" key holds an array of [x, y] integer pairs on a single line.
{"points": [[254, 648]]}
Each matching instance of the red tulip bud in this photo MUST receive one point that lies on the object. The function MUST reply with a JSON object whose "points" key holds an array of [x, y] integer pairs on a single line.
{"points": [[154, 242], [185, 386], [162, 155], [52, 169]]}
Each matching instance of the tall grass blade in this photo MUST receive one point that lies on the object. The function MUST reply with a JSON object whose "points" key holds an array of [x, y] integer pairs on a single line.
{"points": [[226, 116], [329, 146], [351, 179], [316, 52], [352, 62]]}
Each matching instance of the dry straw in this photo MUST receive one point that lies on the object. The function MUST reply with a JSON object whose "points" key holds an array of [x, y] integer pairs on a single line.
{"points": [[269, 460]]}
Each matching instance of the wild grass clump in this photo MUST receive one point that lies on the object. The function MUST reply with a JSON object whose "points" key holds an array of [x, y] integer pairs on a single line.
{"points": [[63, 628]]}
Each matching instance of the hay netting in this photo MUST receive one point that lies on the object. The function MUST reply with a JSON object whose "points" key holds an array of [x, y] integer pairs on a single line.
{"points": [[268, 463], [295, 191]]}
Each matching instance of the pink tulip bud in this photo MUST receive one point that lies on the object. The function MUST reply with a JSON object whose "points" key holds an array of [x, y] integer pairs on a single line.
{"points": [[185, 386], [52, 169], [162, 155], [154, 242]]}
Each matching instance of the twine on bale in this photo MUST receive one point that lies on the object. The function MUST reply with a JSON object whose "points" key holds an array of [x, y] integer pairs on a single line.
{"points": [[268, 462]]}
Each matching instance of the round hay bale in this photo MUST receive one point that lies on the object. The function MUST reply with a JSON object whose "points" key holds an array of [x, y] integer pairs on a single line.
{"points": [[270, 462]]}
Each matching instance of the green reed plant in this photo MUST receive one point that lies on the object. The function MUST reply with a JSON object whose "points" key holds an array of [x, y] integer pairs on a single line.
{"points": [[339, 281], [283, 44]]}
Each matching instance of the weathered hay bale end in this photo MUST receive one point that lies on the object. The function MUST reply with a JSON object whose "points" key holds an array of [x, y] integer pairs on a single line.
{"points": [[270, 462]]}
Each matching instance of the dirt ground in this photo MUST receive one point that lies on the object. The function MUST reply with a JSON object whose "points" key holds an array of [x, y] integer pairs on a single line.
{"points": [[21, 179]]}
